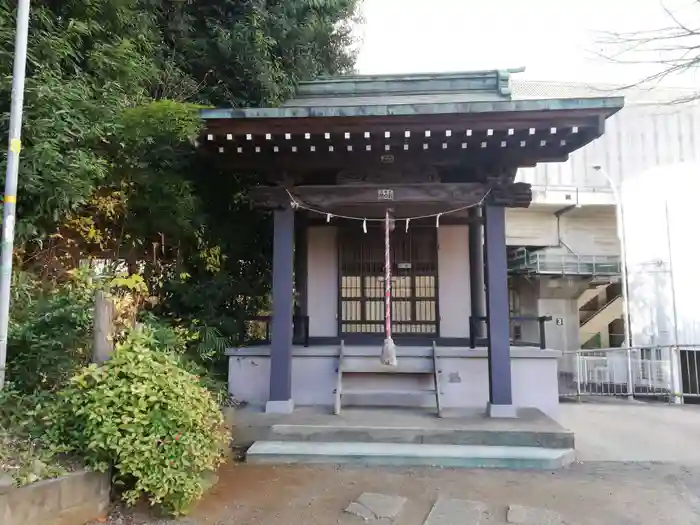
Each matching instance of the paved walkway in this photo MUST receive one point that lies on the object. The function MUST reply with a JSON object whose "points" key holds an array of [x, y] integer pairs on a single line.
{"points": [[640, 465], [634, 432]]}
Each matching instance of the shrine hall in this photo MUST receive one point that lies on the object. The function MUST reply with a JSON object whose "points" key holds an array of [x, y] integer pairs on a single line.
{"points": [[417, 170]]}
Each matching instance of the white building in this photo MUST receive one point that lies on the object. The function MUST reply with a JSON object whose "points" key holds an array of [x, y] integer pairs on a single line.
{"points": [[565, 253]]}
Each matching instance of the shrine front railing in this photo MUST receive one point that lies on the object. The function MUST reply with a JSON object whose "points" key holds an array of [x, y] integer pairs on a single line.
{"points": [[477, 325], [259, 330]]}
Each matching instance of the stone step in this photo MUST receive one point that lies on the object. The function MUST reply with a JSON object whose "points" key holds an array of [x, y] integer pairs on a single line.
{"points": [[442, 434], [409, 455]]}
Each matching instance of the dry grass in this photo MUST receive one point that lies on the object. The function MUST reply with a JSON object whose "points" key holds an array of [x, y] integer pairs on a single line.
{"points": [[25, 461]]}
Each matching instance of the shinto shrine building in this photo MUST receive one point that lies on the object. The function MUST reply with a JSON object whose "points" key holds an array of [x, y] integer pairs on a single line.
{"points": [[441, 153]]}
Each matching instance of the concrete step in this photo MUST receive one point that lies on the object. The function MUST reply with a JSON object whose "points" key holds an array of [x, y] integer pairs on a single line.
{"points": [[442, 434], [409, 455], [386, 397]]}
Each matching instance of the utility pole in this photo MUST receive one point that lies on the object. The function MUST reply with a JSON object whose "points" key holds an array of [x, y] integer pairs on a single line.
{"points": [[10, 200], [625, 282], [674, 352]]}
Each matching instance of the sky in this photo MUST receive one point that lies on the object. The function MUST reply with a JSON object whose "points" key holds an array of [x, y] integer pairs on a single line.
{"points": [[553, 39]]}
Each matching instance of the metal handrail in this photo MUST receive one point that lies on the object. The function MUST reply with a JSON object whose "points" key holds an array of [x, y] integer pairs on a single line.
{"points": [[541, 320], [541, 263], [577, 188], [624, 348], [267, 319]]}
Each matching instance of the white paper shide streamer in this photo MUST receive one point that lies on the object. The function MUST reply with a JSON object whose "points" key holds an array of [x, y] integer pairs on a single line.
{"points": [[388, 354]]}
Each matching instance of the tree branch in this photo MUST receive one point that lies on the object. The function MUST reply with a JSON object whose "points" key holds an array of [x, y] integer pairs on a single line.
{"points": [[674, 48]]}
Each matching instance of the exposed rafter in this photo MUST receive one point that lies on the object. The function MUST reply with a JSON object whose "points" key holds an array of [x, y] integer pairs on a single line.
{"points": [[460, 125]]}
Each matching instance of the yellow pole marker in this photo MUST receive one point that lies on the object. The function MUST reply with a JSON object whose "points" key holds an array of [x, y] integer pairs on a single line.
{"points": [[15, 146], [10, 199]]}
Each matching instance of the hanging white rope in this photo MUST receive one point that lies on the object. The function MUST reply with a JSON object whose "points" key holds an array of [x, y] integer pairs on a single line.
{"points": [[388, 356], [297, 204]]}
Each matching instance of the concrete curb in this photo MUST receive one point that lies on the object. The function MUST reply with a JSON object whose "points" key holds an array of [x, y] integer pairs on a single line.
{"points": [[72, 499]]}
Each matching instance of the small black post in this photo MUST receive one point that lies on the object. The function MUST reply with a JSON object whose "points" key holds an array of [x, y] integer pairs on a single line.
{"points": [[472, 332], [543, 337]]}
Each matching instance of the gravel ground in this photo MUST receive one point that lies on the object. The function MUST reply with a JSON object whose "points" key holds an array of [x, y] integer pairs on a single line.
{"points": [[641, 466], [596, 493]]}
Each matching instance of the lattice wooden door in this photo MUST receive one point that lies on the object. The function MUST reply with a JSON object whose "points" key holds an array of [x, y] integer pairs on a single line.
{"points": [[414, 281]]}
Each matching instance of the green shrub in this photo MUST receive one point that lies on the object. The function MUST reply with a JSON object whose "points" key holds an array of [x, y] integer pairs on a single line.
{"points": [[26, 461], [146, 416], [22, 413], [192, 347], [21, 452], [50, 332]]}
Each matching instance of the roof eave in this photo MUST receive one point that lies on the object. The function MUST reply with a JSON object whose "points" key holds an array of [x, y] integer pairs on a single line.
{"points": [[606, 106]]}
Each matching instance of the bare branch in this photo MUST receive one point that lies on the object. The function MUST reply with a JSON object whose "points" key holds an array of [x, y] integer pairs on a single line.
{"points": [[677, 21], [674, 48]]}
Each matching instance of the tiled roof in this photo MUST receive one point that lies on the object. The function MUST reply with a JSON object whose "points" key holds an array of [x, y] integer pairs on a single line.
{"points": [[535, 89]]}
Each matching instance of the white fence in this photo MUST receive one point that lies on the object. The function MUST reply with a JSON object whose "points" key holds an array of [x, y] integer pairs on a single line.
{"points": [[668, 372]]}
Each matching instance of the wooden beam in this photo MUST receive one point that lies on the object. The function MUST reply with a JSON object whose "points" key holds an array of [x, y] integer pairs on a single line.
{"points": [[327, 197], [404, 142], [271, 162], [435, 196], [511, 195], [453, 194]]}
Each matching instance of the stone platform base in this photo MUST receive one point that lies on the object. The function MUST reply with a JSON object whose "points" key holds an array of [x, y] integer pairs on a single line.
{"points": [[409, 455], [531, 428], [404, 437]]}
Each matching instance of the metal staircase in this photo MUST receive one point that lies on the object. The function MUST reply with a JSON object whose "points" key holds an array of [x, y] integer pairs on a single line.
{"points": [[355, 373], [600, 319], [589, 294]]}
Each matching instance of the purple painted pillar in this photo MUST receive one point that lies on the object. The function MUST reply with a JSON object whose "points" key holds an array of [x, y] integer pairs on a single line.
{"points": [[282, 310], [498, 312]]}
